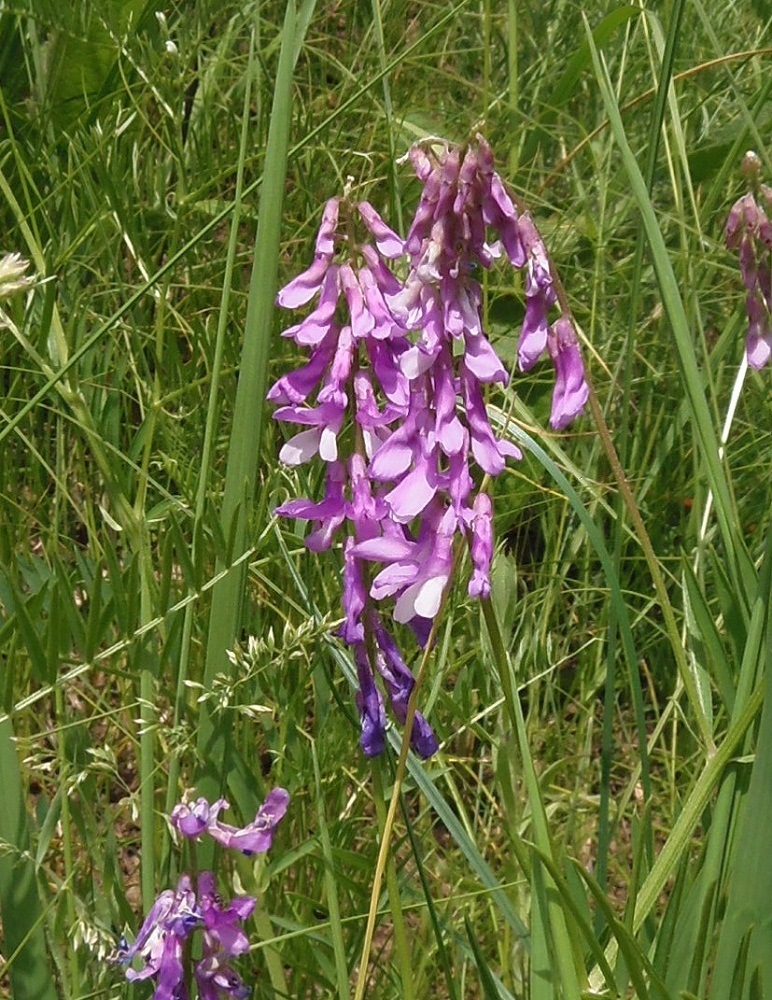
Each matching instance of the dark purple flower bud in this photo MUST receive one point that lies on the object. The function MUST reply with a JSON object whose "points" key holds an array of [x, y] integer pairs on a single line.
{"points": [[571, 391], [399, 683], [354, 597], [257, 836], [370, 705]]}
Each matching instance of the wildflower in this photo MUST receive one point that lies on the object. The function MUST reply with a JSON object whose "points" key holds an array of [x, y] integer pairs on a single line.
{"points": [[160, 940], [749, 230], [409, 362], [571, 391], [176, 915], [193, 820], [255, 838], [224, 938]]}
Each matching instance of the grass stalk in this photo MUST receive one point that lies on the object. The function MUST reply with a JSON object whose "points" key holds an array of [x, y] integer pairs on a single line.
{"points": [[553, 915], [210, 429], [246, 433], [739, 564]]}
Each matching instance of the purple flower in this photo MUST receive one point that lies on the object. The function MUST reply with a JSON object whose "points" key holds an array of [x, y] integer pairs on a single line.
{"points": [[370, 705], [160, 941], [571, 391], [327, 515], [257, 836], [224, 938], [405, 363], [539, 293], [749, 230], [399, 683], [303, 288], [758, 345]]}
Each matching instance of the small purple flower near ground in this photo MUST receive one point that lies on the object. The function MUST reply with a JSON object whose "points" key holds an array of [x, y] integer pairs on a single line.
{"points": [[176, 915]]}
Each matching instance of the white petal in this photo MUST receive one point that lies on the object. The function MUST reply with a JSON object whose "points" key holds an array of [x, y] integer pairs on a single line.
{"points": [[301, 447]]}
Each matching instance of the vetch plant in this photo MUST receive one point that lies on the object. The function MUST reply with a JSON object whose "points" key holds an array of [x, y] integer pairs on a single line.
{"points": [[163, 942], [749, 230], [405, 361]]}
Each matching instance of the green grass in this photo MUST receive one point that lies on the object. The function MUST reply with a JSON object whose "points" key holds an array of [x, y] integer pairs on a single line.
{"points": [[595, 819]]}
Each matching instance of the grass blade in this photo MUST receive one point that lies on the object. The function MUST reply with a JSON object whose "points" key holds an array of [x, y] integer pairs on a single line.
{"points": [[24, 944], [246, 434]]}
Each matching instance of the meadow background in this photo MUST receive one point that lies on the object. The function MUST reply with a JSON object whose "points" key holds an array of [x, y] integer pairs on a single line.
{"points": [[608, 835]]}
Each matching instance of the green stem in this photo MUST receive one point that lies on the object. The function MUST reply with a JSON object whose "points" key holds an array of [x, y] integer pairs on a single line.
{"points": [[210, 430], [401, 945]]}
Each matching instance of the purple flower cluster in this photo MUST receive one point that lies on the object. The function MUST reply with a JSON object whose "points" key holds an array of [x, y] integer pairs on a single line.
{"points": [[177, 914], [256, 838], [749, 230], [408, 362]]}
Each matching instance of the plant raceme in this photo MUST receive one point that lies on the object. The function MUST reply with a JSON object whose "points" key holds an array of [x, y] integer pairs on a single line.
{"points": [[407, 359], [749, 230], [162, 941]]}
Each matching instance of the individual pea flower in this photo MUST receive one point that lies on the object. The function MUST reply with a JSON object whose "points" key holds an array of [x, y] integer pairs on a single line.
{"points": [[571, 391], [749, 230], [256, 837], [193, 820]]}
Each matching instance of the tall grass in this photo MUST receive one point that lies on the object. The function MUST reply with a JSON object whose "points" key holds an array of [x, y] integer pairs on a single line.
{"points": [[595, 820]]}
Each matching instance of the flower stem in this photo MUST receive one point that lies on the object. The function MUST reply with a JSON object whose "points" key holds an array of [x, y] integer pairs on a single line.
{"points": [[399, 778], [401, 944]]}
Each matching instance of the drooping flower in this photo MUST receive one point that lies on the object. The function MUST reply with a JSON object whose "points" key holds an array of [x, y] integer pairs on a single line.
{"points": [[571, 391], [749, 231]]}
